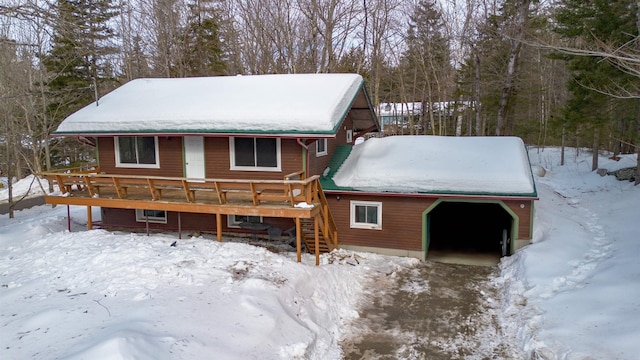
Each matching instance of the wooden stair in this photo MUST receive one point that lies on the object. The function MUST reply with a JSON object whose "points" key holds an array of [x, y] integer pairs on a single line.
{"points": [[319, 234], [309, 239]]}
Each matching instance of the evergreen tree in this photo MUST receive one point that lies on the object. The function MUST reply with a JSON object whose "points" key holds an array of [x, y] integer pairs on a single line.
{"points": [[426, 63], [591, 108], [202, 45], [80, 50]]}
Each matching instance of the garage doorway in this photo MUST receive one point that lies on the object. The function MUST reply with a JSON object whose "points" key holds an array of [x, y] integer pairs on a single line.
{"points": [[474, 232]]}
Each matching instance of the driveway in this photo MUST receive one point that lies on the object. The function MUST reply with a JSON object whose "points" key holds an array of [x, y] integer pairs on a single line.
{"points": [[23, 204], [434, 311]]}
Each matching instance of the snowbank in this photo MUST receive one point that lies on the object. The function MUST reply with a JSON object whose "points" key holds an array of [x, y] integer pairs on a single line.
{"points": [[574, 293]]}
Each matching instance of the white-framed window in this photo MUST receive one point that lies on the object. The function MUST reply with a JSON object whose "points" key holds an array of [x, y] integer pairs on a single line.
{"points": [[349, 136], [255, 154], [153, 216], [137, 152], [234, 221], [321, 147], [366, 215]]}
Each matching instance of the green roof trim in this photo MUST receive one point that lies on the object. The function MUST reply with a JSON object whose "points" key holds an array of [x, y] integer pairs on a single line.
{"points": [[339, 156], [202, 131]]}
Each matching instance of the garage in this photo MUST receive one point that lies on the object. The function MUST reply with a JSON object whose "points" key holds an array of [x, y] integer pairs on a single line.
{"points": [[460, 227], [469, 196]]}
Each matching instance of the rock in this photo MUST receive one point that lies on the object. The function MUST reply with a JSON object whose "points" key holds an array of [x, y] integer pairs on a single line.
{"points": [[602, 172], [626, 174], [538, 170]]}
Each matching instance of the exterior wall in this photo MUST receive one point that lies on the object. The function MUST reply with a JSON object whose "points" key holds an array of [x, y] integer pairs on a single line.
{"points": [[217, 162], [170, 152], [522, 208], [401, 222], [126, 218], [317, 164]]}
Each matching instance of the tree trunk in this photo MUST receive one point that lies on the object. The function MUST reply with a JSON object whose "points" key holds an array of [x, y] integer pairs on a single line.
{"points": [[514, 54], [638, 114], [476, 94], [562, 148], [596, 143], [9, 170], [638, 144]]}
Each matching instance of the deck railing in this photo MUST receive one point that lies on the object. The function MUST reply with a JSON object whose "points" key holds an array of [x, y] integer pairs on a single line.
{"points": [[157, 187]]}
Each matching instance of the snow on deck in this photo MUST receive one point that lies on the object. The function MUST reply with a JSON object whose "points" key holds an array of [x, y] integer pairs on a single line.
{"points": [[313, 103], [439, 164]]}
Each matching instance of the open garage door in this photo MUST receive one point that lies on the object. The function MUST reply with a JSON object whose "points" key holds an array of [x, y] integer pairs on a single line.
{"points": [[468, 229]]}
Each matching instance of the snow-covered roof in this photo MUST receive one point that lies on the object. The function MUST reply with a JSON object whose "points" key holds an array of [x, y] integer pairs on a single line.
{"points": [[279, 104], [438, 164]]}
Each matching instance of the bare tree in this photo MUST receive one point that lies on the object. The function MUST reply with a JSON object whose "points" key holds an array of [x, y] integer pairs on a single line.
{"points": [[517, 32], [332, 23]]}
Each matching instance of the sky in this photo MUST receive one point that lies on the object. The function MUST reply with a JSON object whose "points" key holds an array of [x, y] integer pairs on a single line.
{"points": [[571, 294]]}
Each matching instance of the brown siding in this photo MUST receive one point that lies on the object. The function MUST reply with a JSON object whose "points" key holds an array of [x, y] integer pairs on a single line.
{"points": [[126, 218], [218, 163], [318, 164], [170, 149], [401, 222], [524, 216]]}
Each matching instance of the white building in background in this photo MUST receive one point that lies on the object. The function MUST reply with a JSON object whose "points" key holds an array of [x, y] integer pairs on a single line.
{"points": [[397, 118]]}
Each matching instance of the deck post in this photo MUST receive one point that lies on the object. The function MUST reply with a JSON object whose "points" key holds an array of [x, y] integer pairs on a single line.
{"points": [[298, 241], [219, 226], [68, 219], [316, 233], [89, 218], [179, 225]]}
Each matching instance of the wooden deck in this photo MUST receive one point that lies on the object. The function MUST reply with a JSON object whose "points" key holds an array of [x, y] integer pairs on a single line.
{"points": [[301, 200]]}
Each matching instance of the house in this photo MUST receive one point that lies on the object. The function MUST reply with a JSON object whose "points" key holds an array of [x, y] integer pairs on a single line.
{"points": [[217, 154], [257, 153], [398, 118]]}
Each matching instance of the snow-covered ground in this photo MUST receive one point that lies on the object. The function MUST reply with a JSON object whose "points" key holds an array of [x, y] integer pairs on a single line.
{"points": [[573, 294]]}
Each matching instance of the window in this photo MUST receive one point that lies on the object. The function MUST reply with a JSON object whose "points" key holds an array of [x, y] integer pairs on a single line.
{"points": [[321, 147], [153, 216], [234, 221], [254, 154], [349, 136], [366, 215], [137, 151]]}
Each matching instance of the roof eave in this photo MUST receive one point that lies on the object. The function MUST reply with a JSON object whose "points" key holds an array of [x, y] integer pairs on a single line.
{"points": [[440, 194], [209, 133]]}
